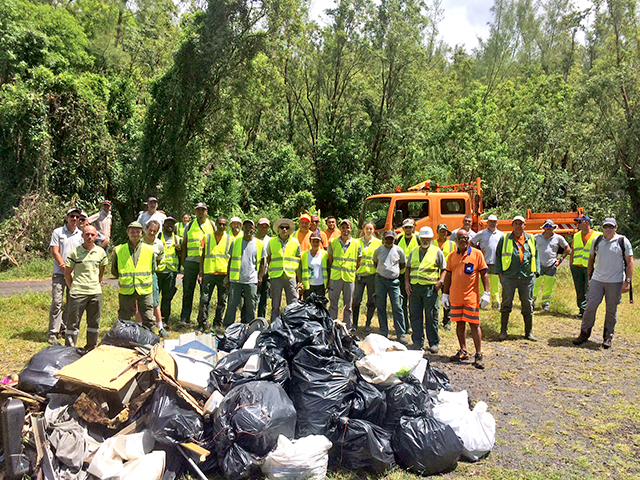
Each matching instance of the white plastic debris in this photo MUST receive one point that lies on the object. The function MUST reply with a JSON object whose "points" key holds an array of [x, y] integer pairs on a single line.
{"points": [[109, 460], [381, 368], [302, 459]]}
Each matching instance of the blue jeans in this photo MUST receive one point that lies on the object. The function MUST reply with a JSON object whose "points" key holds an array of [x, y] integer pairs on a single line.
{"points": [[391, 287], [423, 310]]}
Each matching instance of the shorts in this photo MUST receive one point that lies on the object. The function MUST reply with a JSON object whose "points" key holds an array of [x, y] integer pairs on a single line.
{"points": [[156, 290], [465, 313]]}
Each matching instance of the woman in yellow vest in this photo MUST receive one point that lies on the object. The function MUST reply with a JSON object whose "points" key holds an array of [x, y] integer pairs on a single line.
{"points": [[313, 272], [283, 256], [366, 276], [167, 271]]}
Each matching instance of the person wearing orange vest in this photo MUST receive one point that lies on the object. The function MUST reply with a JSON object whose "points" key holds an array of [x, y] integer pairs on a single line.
{"points": [[579, 259], [303, 233], [283, 256], [213, 271], [331, 232], [244, 273], [345, 253], [313, 272]]}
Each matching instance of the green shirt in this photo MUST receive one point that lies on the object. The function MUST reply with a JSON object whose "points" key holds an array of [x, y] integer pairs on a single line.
{"points": [[86, 269], [516, 269]]}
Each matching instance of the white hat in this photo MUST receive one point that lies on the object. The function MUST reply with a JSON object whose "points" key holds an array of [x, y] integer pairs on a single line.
{"points": [[518, 217], [492, 218], [426, 232], [283, 221], [235, 219]]}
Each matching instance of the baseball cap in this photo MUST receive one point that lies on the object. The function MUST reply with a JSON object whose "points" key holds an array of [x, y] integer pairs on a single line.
{"points": [[84, 215], [549, 224], [582, 218], [235, 219], [248, 220], [305, 216], [492, 218], [73, 209], [389, 233], [441, 226], [315, 235], [426, 232], [170, 219], [408, 221], [135, 225], [347, 221], [201, 205], [609, 221], [264, 220], [107, 202], [152, 199], [518, 217]]}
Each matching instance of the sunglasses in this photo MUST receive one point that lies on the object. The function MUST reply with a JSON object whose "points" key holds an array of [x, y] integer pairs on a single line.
{"points": [[608, 226], [284, 227], [315, 221], [74, 216], [222, 224]]}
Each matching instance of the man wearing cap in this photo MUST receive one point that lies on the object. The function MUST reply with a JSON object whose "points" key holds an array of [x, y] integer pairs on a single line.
{"points": [[63, 240], [151, 213], [447, 245], [487, 241], [549, 244], [313, 272], [579, 260], [102, 221], [407, 241], [214, 266], [244, 273], [303, 232], [366, 276], [467, 222], [283, 256], [190, 255], [389, 259], [167, 271], [151, 238], [518, 267], [236, 227], [332, 230], [315, 227], [424, 277], [263, 289], [83, 273], [611, 271], [133, 266], [345, 253], [462, 295]]}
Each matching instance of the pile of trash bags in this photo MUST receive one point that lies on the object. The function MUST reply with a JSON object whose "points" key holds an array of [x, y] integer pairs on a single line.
{"points": [[287, 400]]}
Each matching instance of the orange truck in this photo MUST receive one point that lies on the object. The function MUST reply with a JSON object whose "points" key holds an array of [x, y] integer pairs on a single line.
{"points": [[430, 205]]}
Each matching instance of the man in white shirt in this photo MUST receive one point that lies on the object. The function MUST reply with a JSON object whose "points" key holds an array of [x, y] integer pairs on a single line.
{"points": [[152, 213], [549, 244], [467, 221], [487, 241]]}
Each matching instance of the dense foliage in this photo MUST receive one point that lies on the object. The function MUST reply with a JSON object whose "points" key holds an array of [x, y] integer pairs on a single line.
{"points": [[253, 107]]}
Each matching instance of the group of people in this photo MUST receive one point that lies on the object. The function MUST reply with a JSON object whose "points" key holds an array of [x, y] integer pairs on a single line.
{"points": [[246, 266]]}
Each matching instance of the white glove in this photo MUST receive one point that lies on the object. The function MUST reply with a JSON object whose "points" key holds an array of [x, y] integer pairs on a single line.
{"points": [[445, 301], [485, 300]]}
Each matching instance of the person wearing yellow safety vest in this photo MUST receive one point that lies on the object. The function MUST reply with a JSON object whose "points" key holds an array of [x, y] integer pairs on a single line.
{"points": [[214, 263], [133, 266], [447, 245], [283, 256], [244, 273], [167, 271], [366, 276], [313, 272], [150, 238], [345, 253], [518, 265], [579, 260], [487, 241], [407, 241], [190, 255], [181, 225], [424, 277]]}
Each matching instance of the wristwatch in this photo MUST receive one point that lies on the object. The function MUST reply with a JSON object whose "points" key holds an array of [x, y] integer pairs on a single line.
{"points": [[628, 280]]}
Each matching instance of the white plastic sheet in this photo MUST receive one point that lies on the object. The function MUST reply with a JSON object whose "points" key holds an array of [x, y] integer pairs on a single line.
{"points": [[303, 459], [381, 368], [136, 451], [379, 344]]}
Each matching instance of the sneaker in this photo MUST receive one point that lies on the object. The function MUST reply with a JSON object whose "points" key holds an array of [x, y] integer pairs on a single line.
{"points": [[580, 339], [52, 340], [606, 344], [447, 326], [529, 336], [163, 333], [579, 315], [546, 307], [403, 340], [434, 349], [503, 336], [460, 356], [477, 362]]}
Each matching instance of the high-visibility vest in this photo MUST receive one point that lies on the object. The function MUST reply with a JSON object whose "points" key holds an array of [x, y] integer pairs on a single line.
{"points": [[236, 258], [194, 236], [304, 267], [283, 259], [170, 260], [447, 247], [216, 254], [180, 229], [507, 251], [366, 262], [581, 251], [344, 263], [424, 272], [135, 277], [402, 243]]}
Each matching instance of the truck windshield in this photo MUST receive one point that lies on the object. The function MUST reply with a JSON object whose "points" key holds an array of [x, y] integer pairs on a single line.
{"points": [[375, 210]]}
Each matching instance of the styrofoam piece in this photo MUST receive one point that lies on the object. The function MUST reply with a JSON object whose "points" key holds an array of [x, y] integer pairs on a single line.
{"points": [[252, 364], [420, 369], [251, 341], [381, 368], [170, 343], [213, 402], [187, 337], [193, 372]]}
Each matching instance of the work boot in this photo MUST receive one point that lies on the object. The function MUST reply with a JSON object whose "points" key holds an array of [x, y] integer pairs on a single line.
{"points": [[92, 340], [528, 326], [608, 337], [504, 324], [583, 337], [70, 340], [478, 363]]}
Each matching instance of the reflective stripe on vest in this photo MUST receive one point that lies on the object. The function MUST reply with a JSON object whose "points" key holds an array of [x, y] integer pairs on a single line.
{"points": [[424, 272], [507, 251], [194, 236], [366, 262], [236, 258], [216, 254], [447, 247], [170, 260], [402, 243], [581, 251], [304, 267], [283, 260], [344, 263], [135, 277], [180, 229]]}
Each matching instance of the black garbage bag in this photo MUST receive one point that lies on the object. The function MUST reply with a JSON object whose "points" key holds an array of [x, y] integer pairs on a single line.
{"points": [[171, 419], [368, 403], [345, 344], [307, 322], [252, 416], [234, 337], [435, 379], [408, 398], [425, 445], [38, 375], [238, 463], [321, 385], [128, 334], [274, 340], [227, 374], [360, 445]]}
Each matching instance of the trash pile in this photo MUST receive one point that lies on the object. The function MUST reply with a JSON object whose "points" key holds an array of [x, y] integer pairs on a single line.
{"points": [[287, 400]]}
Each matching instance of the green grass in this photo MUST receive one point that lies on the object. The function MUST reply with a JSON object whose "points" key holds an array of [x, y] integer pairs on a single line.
{"points": [[37, 269]]}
